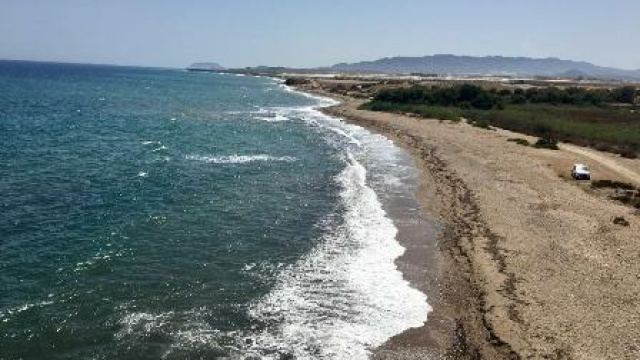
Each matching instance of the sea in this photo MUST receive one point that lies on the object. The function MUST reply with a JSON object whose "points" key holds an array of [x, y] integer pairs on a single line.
{"points": [[165, 214]]}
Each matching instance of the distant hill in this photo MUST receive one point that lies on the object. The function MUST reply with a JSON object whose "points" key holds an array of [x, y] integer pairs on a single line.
{"points": [[489, 65], [205, 66]]}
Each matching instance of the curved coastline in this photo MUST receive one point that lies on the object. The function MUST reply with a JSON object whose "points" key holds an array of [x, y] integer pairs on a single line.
{"points": [[525, 251], [384, 221], [438, 259], [422, 263]]}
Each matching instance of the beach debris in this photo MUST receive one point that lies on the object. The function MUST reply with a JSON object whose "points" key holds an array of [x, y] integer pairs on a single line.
{"points": [[296, 81], [620, 220], [547, 143], [519, 141]]}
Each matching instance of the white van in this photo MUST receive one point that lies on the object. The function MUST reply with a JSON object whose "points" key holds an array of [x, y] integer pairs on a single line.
{"points": [[580, 172]]}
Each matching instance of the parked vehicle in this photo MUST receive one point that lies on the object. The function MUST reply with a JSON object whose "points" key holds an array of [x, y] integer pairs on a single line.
{"points": [[580, 172]]}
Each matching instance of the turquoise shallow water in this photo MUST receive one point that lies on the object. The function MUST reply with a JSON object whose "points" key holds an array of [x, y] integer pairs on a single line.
{"points": [[151, 214]]}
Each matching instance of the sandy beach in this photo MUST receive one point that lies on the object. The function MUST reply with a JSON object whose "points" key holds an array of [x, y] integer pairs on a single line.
{"points": [[529, 264]]}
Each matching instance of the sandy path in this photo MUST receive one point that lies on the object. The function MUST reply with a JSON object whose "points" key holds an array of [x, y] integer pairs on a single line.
{"points": [[606, 160]]}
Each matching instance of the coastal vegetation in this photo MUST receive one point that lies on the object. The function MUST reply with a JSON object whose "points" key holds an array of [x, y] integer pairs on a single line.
{"points": [[623, 192], [606, 119], [523, 142]]}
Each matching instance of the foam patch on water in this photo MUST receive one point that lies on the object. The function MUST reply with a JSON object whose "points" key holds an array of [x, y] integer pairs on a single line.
{"points": [[272, 118], [186, 332], [346, 297], [5, 315], [100, 257], [142, 324], [322, 101], [240, 159]]}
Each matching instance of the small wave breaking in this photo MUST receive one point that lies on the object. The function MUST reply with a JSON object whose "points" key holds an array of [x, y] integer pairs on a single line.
{"points": [[240, 159], [347, 296]]}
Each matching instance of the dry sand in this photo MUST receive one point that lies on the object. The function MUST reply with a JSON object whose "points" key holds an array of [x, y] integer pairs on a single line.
{"points": [[530, 264]]}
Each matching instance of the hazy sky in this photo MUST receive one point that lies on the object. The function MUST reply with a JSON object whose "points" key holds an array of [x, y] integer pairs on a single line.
{"points": [[306, 33]]}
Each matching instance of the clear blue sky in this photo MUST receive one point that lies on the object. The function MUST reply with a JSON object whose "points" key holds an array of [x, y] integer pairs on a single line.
{"points": [[307, 33]]}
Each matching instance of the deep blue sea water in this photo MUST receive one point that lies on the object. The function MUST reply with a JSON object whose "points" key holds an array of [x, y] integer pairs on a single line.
{"points": [[162, 214]]}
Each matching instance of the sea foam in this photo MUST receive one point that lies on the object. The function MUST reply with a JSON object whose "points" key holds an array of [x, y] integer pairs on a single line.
{"points": [[346, 297], [239, 159]]}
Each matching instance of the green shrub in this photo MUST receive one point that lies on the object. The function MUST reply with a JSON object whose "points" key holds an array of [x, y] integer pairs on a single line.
{"points": [[612, 184], [483, 124], [428, 112], [604, 128], [481, 98], [628, 153], [547, 143], [523, 142]]}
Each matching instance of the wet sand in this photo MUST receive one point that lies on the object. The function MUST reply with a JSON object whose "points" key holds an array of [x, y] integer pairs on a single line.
{"points": [[528, 264]]}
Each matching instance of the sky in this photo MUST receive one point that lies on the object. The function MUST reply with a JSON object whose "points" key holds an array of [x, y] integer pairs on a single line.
{"points": [[310, 33]]}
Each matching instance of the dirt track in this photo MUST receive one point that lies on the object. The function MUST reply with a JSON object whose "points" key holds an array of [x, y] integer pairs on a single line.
{"points": [[610, 161]]}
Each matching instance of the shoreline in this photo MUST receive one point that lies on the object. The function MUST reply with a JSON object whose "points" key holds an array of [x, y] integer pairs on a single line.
{"points": [[422, 264], [428, 267], [530, 264], [443, 278], [401, 207]]}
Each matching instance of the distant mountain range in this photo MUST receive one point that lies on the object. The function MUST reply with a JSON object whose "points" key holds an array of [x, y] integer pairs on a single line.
{"points": [[205, 66], [451, 65], [489, 65]]}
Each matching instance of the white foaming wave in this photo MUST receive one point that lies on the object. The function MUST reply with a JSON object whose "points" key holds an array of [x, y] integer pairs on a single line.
{"points": [[265, 112], [100, 257], [142, 323], [240, 159], [379, 147], [347, 296], [322, 101], [187, 331], [274, 118], [343, 133], [6, 314], [315, 117], [318, 119]]}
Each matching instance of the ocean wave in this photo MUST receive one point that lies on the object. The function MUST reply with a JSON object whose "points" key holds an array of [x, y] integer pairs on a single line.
{"points": [[383, 150], [240, 159], [347, 296], [142, 324], [187, 333], [321, 100], [274, 118], [352, 139], [6, 314], [100, 257]]}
